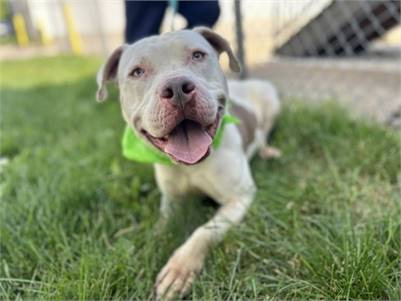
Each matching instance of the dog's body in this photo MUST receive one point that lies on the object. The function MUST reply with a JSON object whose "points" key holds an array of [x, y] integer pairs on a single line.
{"points": [[182, 122], [226, 169]]}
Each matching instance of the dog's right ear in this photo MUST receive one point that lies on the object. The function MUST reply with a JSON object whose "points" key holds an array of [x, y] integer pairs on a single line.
{"points": [[107, 73]]}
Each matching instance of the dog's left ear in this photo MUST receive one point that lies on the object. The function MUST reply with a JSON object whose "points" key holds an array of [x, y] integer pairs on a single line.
{"points": [[220, 44], [107, 73]]}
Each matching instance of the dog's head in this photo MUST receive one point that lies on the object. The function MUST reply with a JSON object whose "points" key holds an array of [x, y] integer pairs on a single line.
{"points": [[172, 89]]}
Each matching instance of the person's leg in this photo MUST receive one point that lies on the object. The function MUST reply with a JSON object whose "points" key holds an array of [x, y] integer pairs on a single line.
{"points": [[199, 12], [143, 18]]}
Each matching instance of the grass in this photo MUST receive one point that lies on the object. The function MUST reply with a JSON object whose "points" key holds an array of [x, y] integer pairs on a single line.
{"points": [[77, 220]]}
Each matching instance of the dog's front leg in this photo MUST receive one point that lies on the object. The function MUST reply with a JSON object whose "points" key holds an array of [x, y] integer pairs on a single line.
{"points": [[173, 186], [166, 205], [177, 276]]}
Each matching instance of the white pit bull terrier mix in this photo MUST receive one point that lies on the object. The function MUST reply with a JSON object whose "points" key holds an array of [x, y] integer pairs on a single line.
{"points": [[173, 95]]}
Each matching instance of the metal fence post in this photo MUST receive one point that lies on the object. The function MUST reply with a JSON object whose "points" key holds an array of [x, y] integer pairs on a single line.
{"points": [[240, 38]]}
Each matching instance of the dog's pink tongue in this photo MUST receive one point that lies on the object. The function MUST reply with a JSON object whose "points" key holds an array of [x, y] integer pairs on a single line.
{"points": [[188, 142]]}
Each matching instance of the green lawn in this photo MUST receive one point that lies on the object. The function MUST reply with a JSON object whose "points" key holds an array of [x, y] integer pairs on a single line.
{"points": [[78, 220]]}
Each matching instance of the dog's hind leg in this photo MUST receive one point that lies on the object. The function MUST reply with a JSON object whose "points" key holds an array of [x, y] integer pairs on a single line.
{"points": [[265, 150], [266, 106], [268, 152], [270, 106]]}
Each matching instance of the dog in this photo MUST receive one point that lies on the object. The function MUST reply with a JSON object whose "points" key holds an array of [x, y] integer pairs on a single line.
{"points": [[174, 96]]}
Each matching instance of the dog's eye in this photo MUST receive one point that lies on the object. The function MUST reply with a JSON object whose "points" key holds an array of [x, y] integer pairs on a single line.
{"points": [[198, 55], [137, 72]]}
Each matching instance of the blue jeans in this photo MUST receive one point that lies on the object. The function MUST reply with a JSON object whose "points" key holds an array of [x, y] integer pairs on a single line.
{"points": [[143, 18]]}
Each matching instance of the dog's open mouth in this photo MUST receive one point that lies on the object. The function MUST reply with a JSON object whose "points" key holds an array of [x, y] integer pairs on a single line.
{"points": [[189, 142]]}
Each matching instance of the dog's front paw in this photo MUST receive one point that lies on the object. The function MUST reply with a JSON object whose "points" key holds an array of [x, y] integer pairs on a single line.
{"points": [[176, 278]]}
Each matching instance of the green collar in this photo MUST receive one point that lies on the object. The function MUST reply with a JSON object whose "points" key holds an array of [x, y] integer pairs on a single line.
{"points": [[134, 148]]}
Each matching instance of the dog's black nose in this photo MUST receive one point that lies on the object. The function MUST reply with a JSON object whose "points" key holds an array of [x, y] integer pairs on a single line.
{"points": [[188, 87], [178, 90]]}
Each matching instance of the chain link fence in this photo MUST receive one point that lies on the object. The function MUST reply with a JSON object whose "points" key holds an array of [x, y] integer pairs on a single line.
{"points": [[344, 51]]}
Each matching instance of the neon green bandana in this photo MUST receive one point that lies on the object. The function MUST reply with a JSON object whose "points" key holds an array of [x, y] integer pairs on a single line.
{"points": [[134, 148]]}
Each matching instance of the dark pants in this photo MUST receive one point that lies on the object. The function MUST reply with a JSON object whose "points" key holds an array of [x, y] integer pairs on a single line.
{"points": [[143, 18]]}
